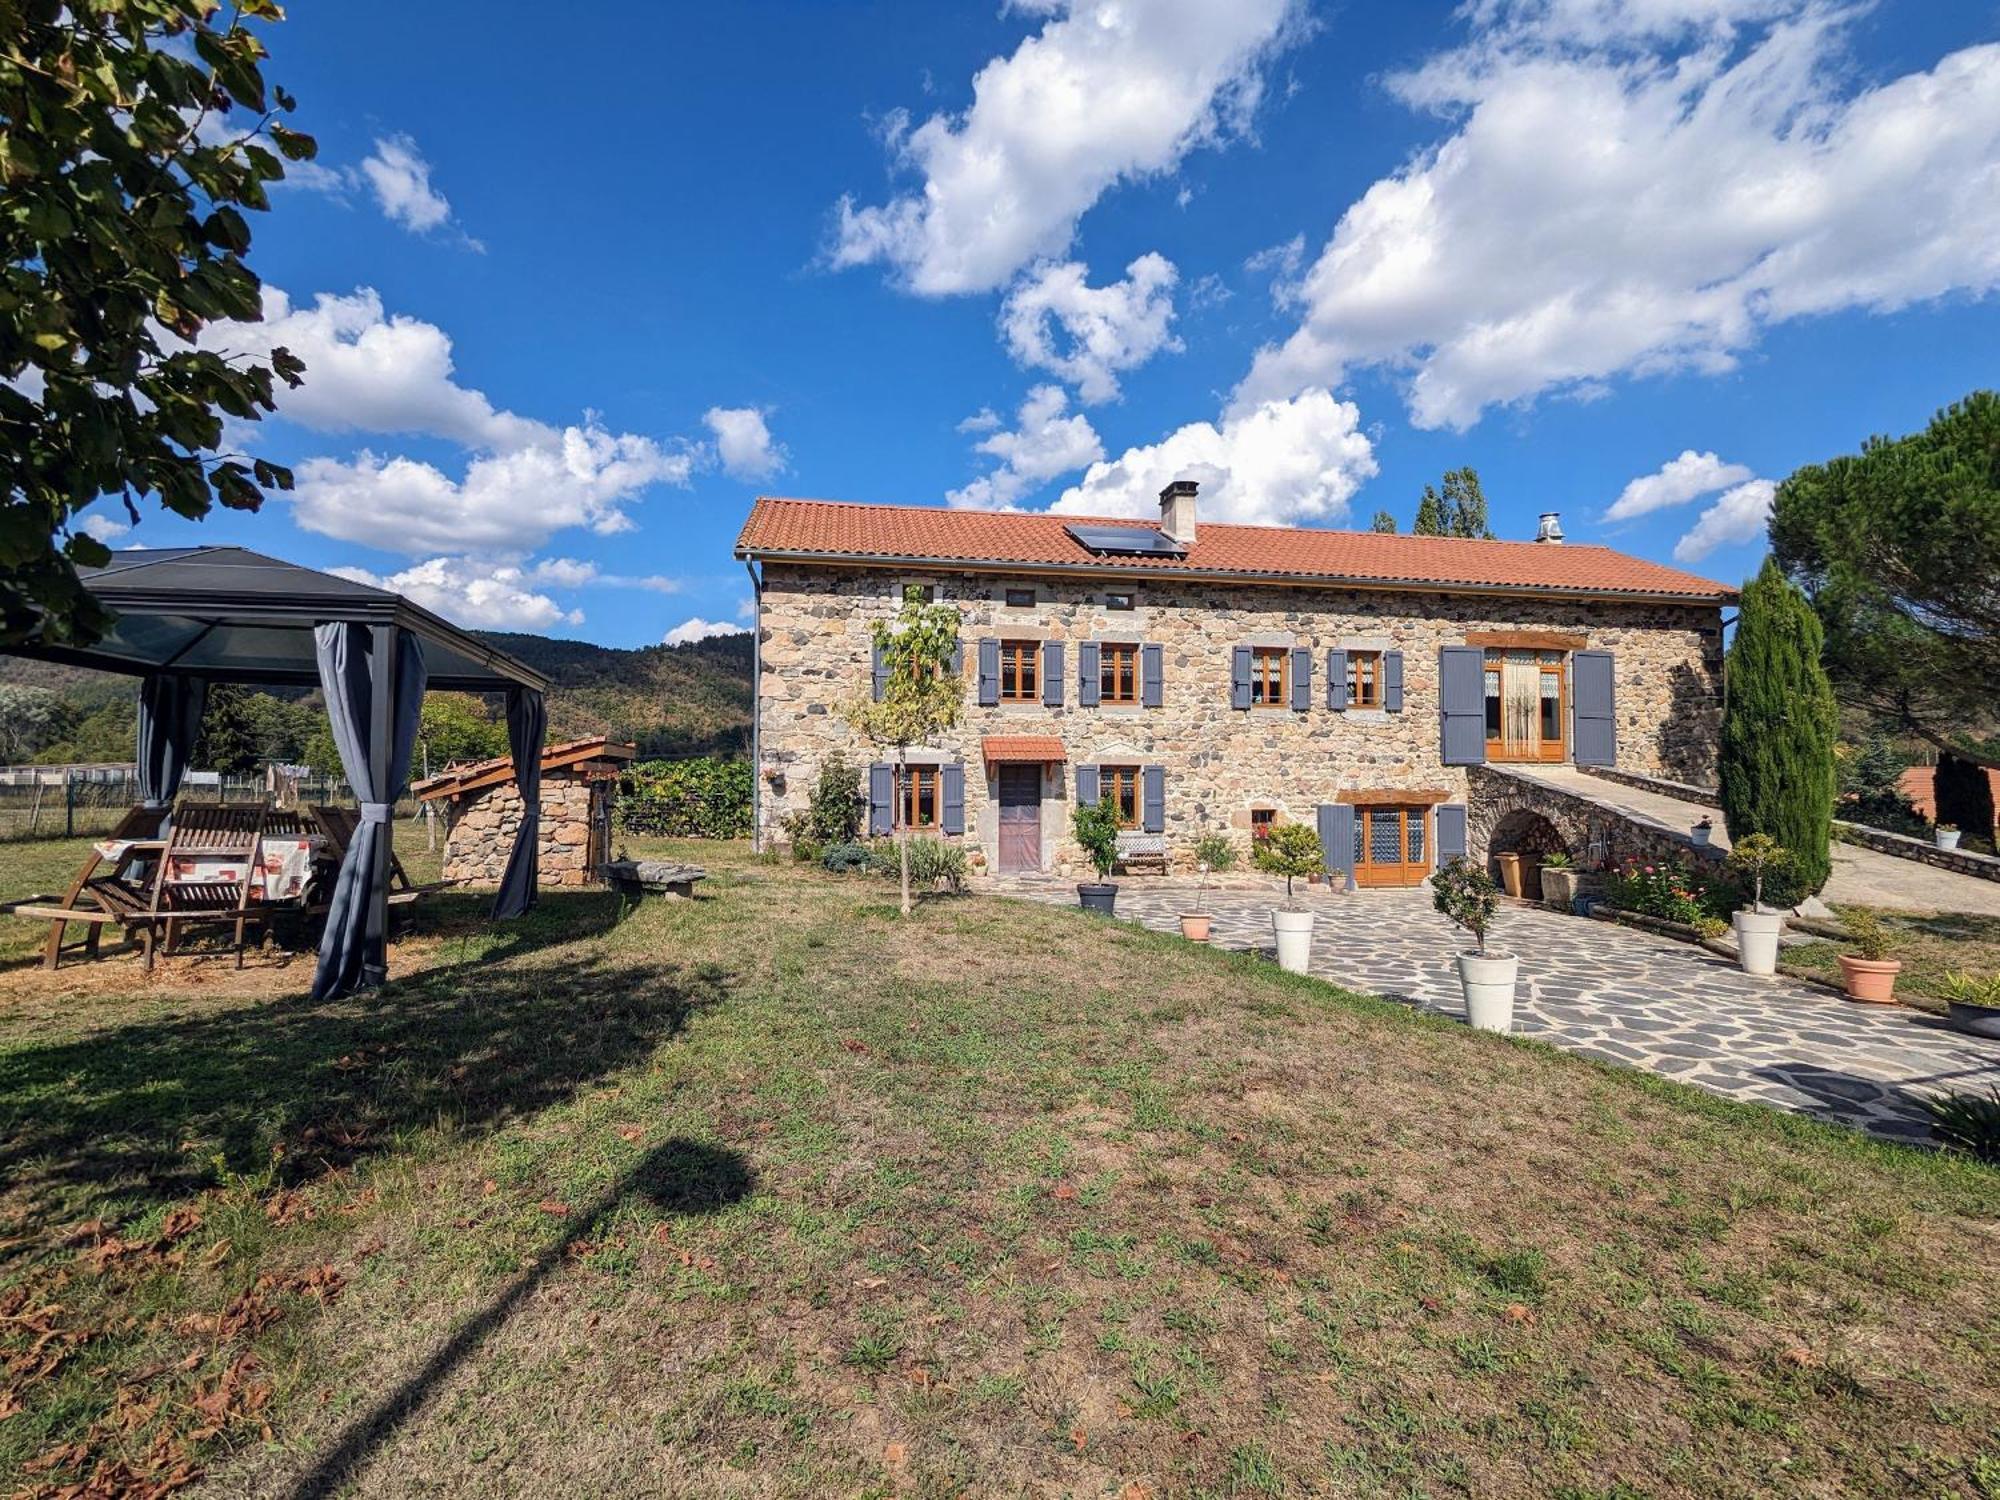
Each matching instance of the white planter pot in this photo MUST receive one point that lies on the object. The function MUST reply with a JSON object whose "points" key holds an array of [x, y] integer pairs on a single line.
{"points": [[1489, 989], [1946, 840], [1757, 940], [1700, 836], [1295, 937]]}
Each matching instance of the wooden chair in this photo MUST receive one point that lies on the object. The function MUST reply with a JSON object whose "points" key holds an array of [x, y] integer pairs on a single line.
{"points": [[139, 825], [339, 825], [232, 835]]}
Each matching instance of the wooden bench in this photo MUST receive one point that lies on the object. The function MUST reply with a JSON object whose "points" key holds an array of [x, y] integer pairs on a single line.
{"points": [[655, 877], [1142, 853]]}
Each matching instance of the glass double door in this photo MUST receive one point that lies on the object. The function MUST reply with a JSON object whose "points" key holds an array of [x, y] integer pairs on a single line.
{"points": [[1391, 845]]}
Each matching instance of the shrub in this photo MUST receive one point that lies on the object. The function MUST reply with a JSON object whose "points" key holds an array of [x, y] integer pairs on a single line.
{"points": [[1666, 890], [835, 806], [1757, 857], [1871, 788], [1967, 1122], [1964, 797], [1778, 728], [1867, 936], [689, 799], [1557, 859], [1216, 851], [1293, 851], [1466, 894], [933, 862], [844, 859], [1095, 826], [1966, 990]]}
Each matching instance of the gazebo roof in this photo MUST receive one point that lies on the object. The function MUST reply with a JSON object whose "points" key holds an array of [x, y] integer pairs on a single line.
{"points": [[233, 615]]}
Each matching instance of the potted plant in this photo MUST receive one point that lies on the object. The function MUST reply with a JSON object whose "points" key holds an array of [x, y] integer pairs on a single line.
{"points": [[1973, 1004], [1869, 972], [1702, 832], [1095, 826], [1946, 835], [1194, 924], [1560, 880], [1293, 851], [1756, 856], [1466, 894]]}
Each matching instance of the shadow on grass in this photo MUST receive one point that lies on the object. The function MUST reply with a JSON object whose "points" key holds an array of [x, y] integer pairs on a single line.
{"points": [[112, 1124], [679, 1177]]}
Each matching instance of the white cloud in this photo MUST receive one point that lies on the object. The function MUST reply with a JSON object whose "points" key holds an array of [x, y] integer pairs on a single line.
{"points": [[698, 629], [1107, 91], [1043, 443], [1676, 482], [104, 528], [1279, 463], [569, 572], [743, 440], [1739, 515], [1054, 320], [986, 419], [401, 180], [1632, 189], [482, 597]]}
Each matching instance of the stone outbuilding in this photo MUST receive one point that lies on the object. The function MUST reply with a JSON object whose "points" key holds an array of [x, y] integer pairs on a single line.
{"points": [[482, 810]]}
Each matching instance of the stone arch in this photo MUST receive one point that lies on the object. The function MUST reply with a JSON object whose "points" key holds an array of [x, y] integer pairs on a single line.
{"points": [[1499, 823]]}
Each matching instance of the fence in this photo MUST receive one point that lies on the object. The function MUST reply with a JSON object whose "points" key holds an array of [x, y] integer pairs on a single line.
{"points": [[48, 802]]}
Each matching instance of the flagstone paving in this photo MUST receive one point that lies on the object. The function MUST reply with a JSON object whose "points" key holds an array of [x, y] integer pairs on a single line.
{"points": [[1620, 995]]}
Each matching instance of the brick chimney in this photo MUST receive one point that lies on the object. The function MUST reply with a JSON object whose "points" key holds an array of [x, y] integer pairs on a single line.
{"points": [[1550, 530], [1177, 511]]}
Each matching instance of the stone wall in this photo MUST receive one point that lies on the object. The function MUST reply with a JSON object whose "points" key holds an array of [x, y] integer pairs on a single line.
{"points": [[480, 829], [1221, 763], [1510, 813], [1923, 851]]}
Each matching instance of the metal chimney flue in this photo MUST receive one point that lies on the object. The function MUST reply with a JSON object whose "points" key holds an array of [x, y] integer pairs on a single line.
{"points": [[1550, 530]]}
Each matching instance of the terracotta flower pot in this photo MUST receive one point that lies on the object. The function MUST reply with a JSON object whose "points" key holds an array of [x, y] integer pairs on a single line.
{"points": [[1194, 926], [1510, 874], [1870, 980]]}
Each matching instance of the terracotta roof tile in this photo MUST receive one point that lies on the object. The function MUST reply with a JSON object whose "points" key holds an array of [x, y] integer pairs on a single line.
{"points": [[841, 530], [1038, 749]]}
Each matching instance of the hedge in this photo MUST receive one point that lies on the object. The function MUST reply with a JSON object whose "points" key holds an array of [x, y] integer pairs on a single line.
{"points": [[686, 799]]}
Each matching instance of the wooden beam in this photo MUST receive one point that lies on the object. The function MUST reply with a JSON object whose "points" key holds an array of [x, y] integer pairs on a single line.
{"points": [[1527, 640], [1394, 796]]}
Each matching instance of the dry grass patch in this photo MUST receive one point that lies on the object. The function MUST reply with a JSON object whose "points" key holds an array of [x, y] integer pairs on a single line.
{"points": [[777, 1193]]}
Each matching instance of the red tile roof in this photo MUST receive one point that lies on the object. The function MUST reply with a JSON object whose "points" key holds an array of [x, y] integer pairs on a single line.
{"points": [[1038, 749], [454, 781], [838, 530]]}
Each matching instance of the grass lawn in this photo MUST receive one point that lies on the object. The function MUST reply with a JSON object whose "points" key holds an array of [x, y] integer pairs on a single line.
{"points": [[1929, 946], [776, 1193]]}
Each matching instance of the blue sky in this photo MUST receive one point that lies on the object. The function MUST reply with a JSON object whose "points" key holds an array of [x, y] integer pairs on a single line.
{"points": [[569, 297]]}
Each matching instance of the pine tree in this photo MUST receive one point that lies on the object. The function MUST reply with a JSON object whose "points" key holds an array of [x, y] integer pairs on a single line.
{"points": [[1384, 522], [1779, 726], [1431, 517], [1465, 505]]}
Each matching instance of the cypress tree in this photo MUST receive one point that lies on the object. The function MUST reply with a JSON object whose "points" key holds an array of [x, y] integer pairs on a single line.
{"points": [[1431, 520], [1384, 522], [1964, 798], [1779, 726]]}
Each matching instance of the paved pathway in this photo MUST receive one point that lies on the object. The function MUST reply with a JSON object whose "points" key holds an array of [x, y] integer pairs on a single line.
{"points": [[1620, 995], [1865, 877]]}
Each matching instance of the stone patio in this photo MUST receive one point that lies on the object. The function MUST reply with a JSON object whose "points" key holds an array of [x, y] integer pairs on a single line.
{"points": [[1615, 994]]}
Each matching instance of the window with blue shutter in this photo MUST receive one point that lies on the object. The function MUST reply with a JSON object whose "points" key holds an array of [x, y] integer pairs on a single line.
{"points": [[954, 797], [1392, 681], [1302, 680], [1152, 664], [1153, 817], [989, 673], [1595, 678], [1336, 681], [1086, 786], [1462, 705], [1089, 674], [1336, 840], [881, 799], [1451, 843], [881, 669], [1052, 674], [1239, 678]]}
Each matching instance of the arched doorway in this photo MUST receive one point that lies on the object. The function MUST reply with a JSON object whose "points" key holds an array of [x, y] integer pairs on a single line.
{"points": [[1529, 835]]}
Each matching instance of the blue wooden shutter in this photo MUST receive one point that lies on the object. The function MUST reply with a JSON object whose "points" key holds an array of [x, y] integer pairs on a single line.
{"points": [[989, 673], [1152, 661], [1153, 799], [881, 674], [1462, 711], [1392, 682], [1595, 698], [1086, 786], [881, 799], [1089, 675], [1239, 677], [952, 781], [1336, 681], [1052, 674], [1302, 680], [1451, 843], [1336, 839], [958, 658]]}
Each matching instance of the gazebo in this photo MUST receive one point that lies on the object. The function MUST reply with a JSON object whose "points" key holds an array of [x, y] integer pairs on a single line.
{"points": [[189, 616]]}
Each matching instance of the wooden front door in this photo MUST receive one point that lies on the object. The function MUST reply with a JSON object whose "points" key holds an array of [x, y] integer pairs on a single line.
{"points": [[1020, 819], [1392, 845]]}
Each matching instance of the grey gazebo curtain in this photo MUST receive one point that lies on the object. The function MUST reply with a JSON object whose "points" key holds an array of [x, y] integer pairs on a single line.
{"points": [[527, 723], [170, 705], [365, 710]]}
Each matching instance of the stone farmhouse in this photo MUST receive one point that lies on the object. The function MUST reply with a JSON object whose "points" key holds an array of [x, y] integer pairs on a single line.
{"points": [[1222, 678]]}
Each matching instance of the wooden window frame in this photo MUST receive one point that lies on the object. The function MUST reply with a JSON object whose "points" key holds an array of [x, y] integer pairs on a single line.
{"points": [[1270, 676], [1111, 655], [1025, 658], [1262, 821], [1545, 752], [1372, 698], [1124, 786], [909, 798]]}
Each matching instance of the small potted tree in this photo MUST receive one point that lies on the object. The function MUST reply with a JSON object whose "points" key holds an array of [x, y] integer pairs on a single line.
{"points": [[1293, 851], [1869, 972], [1213, 853], [1755, 856], [1466, 894], [1194, 924], [1973, 1005], [1946, 835], [1095, 827], [1560, 880], [1702, 832]]}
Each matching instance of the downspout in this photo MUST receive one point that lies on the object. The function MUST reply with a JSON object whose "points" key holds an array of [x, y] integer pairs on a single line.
{"points": [[756, 708]]}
